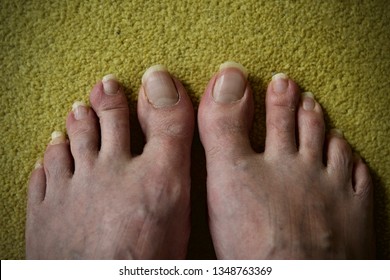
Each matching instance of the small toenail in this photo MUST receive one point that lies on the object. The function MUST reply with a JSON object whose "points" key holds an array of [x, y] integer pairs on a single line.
{"points": [[57, 137], [280, 82], [38, 164], [336, 132], [110, 84], [159, 87], [308, 102], [80, 110], [231, 82]]}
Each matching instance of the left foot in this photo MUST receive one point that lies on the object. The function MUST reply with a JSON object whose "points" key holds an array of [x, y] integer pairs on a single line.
{"points": [[91, 200], [286, 202]]}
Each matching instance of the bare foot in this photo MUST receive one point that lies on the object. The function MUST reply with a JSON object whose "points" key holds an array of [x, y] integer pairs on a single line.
{"points": [[92, 200], [306, 196]]}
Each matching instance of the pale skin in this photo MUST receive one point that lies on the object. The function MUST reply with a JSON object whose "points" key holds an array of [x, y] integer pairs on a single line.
{"points": [[306, 196]]}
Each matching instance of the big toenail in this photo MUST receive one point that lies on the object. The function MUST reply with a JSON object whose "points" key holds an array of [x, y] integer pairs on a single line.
{"points": [[159, 87], [57, 137], [336, 132], [308, 102], [280, 82], [231, 82], [80, 110], [110, 84]]}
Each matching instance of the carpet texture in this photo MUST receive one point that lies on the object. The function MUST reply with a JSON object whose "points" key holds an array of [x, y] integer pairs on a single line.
{"points": [[52, 52]]}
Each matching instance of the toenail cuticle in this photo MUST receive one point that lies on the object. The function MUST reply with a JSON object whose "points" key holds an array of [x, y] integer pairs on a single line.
{"points": [[308, 102], [280, 82], [110, 84], [230, 83], [80, 110], [337, 132], [57, 137], [159, 87], [38, 164]]}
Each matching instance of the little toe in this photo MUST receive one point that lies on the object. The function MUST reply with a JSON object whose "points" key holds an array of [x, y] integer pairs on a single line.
{"points": [[83, 134], [58, 161], [166, 116], [110, 104], [361, 178], [37, 184], [311, 128], [339, 157], [282, 100], [226, 113]]}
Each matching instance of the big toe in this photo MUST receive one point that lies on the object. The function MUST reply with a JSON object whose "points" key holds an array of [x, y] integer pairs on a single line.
{"points": [[225, 114], [166, 116]]}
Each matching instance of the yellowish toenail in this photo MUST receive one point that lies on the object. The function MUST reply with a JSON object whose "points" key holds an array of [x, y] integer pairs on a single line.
{"points": [[337, 132], [110, 84], [38, 164], [151, 69], [57, 137], [231, 82], [80, 110], [280, 82], [232, 64], [159, 87], [308, 102]]}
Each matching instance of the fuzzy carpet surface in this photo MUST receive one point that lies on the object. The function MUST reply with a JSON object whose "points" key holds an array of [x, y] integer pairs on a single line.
{"points": [[52, 52]]}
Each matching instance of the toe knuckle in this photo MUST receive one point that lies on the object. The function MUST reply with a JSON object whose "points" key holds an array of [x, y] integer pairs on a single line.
{"points": [[315, 123], [282, 125], [229, 126], [287, 100]]}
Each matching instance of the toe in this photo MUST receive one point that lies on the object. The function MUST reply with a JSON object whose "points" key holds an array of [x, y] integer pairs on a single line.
{"points": [[37, 184], [110, 104], [339, 156], [311, 128], [226, 113], [58, 161], [281, 105], [83, 133], [166, 116], [361, 179]]}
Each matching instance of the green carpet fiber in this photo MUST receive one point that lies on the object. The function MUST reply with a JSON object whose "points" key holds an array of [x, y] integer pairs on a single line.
{"points": [[52, 52]]}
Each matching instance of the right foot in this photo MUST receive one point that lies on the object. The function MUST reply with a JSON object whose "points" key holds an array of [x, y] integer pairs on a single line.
{"points": [[306, 196], [92, 200]]}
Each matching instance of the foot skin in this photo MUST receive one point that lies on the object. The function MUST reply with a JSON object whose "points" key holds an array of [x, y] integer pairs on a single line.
{"points": [[90, 199], [305, 197]]}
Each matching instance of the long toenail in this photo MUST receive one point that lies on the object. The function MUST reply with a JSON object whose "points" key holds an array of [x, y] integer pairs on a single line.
{"points": [[110, 84], [280, 82], [336, 132], [57, 137], [80, 110], [308, 102], [159, 87], [231, 82], [38, 164]]}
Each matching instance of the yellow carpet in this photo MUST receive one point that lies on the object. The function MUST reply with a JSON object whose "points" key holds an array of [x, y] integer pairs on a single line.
{"points": [[52, 53]]}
